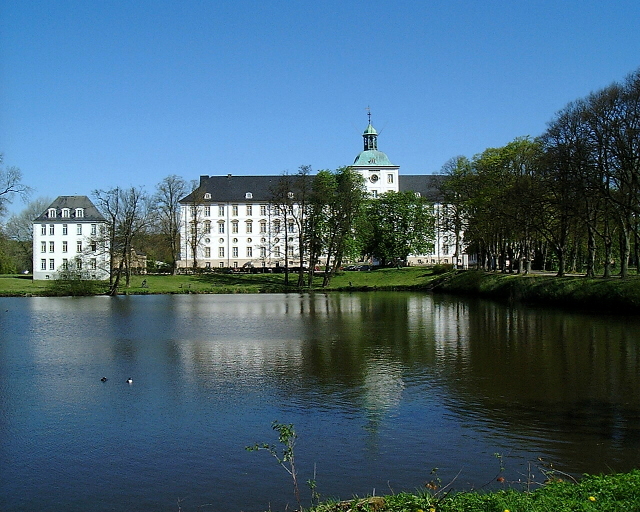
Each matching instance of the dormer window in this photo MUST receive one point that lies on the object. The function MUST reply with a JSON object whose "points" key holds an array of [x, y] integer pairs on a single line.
{"points": [[79, 213], [248, 195], [66, 212], [52, 213], [207, 196], [290, 195]]}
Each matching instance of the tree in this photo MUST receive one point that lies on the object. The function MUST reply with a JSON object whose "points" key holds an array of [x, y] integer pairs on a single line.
{"points": [[168, 213], [126, 213], [19, 228], [10, 185], [400, 224], [337, 202]]}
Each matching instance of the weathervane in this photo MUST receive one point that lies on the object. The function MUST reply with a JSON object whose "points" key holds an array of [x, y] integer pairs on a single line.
{"points": [[368, 113]]}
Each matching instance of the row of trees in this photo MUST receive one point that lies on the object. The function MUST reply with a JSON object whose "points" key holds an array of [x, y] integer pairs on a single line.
{"points": [[336, 221], [569, 199]]}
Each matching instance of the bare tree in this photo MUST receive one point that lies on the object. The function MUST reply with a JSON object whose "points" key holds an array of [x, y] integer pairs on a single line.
{"points": [[168, 213], [126, 214], [10, 185]]}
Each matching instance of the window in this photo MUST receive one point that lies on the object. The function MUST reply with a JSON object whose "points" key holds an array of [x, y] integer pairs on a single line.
{"points": [[235, 264], [79, 213], [248, 195], [43, 246], [263, 252], [66, 213], [276, 226], [52, 229], [276, 252], [389, 178], [78, 229], [79, 264], [94, 247], [374, 193], [249, 252], [234, 252], [234, 210], [43, 229], [78, 246], [290, 195], [221, 265], [249, 209], [64, 246], [52, 264], [207, 252], [221, 252], [52, 213], [221, 227], [291, 227], [65, 263], [65, 229], [220, 210], [207, 196], [93, 264], [263, 226], [43, 264], [263, 209], [51, 247], [249, 227], [194, 211], [207, 264], [207, 211], [234, 226], [94, 229], [290, 250], [207, 226]]}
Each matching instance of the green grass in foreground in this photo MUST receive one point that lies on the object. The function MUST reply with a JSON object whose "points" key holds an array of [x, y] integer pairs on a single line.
{"points": [[610, 493]]}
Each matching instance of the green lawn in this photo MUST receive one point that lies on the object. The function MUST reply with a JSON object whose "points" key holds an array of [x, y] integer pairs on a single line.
{"points": [[214, 282]]}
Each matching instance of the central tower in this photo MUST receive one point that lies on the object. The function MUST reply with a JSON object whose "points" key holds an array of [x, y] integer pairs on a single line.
{"points": [[379, 174]]}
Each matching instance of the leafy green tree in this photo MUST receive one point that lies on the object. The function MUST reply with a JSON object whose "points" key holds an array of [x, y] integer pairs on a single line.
{"points": [[399, 224]]}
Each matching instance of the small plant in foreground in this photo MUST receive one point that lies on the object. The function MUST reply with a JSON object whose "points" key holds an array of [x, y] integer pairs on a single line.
{"points": [[287, 438]]}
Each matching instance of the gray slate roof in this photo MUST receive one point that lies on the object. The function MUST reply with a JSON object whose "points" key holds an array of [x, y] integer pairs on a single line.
{"points": [[91, 213], [428, 185], [233, 189]]}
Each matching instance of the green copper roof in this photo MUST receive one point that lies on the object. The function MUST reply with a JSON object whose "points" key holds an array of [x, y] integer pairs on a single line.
{"points": [[371, 157], [370, 130]]}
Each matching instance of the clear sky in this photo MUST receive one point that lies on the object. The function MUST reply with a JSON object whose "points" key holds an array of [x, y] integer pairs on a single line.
{"points": [[96, 94]]}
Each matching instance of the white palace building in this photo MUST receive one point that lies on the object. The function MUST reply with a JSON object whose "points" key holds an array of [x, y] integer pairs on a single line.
{"points": [[237, 225], [70, 235]]}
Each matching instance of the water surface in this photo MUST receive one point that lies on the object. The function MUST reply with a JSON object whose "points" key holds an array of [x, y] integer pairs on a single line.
{"points": [[382, 388]]}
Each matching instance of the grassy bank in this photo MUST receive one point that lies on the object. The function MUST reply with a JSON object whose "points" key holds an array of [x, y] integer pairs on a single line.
{"points": [[598, 294], [610, 493], [214, 282], [614, 294]]}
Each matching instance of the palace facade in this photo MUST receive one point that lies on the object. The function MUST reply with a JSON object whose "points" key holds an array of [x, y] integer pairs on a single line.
{"points": [[231, 221]]}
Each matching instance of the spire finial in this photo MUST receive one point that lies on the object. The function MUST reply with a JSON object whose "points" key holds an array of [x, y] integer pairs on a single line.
{"points": [[368, 113]]}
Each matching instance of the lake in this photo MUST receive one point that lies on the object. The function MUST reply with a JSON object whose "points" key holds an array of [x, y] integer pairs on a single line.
{"points": [[381, 388]]}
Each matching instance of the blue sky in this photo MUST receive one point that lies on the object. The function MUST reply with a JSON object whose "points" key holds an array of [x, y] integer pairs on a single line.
{"points": [[95, 94]]}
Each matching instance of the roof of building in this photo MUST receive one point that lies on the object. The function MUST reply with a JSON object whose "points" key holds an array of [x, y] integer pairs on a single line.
{"points": [[90, 212], [234, 189], [371, 157], [427, 185]]}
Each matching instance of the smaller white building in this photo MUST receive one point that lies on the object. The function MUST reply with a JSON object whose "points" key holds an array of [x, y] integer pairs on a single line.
{"points": [[70, 235]]}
